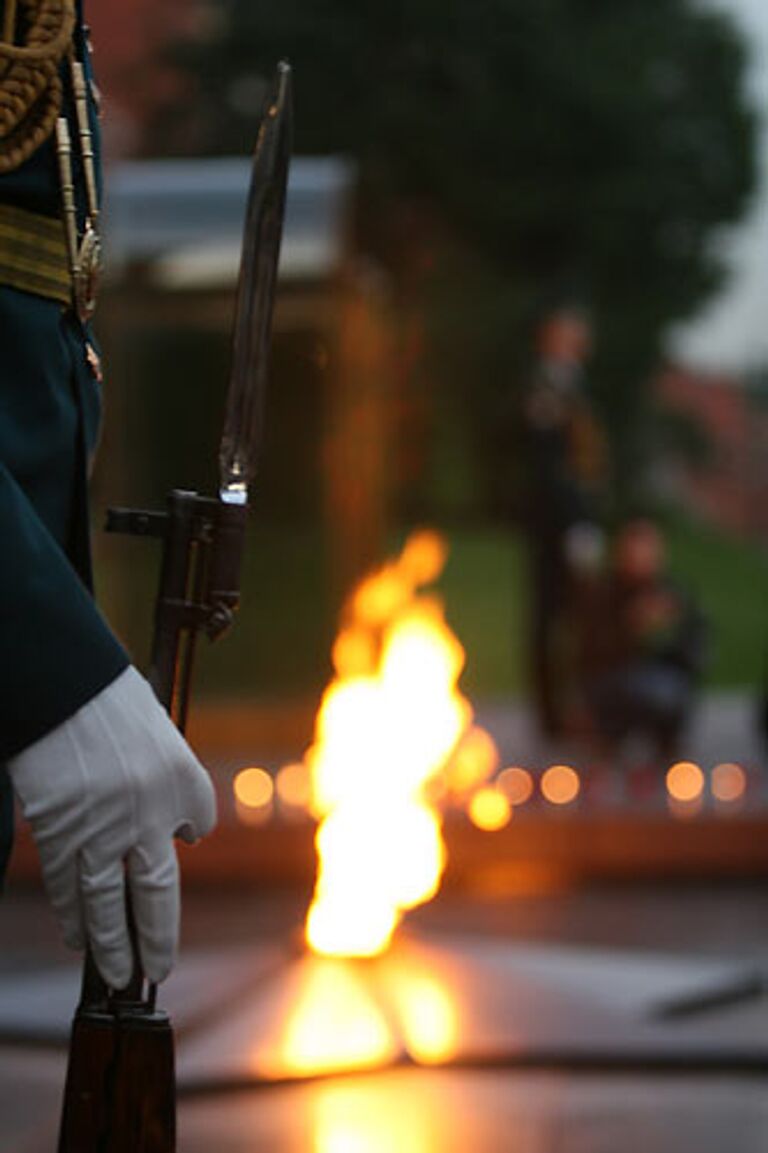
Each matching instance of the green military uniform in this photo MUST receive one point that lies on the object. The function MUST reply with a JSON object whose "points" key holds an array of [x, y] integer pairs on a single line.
{"points": [[56, 651]]}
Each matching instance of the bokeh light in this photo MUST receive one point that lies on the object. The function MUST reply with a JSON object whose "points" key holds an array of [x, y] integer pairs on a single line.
{"points": [[516, 784], [685, 781], [293, 785], [560, 785], [729, 782], [489, 809], [254, 788]]}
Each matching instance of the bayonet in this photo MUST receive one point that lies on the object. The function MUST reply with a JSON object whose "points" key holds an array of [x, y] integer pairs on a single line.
{"points": [[242, 432]]}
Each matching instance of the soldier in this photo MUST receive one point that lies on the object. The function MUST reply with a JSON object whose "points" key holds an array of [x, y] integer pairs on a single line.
{"points": [[101, 773], [566, 467]]}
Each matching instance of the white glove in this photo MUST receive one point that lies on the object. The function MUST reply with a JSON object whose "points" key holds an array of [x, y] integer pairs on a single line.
{"points": [[105, 793]]}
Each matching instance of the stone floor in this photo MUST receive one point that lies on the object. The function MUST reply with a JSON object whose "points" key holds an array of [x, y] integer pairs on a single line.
{"points": [[428, 1111], [486, 1112], [518, 1016], [532, 1022]]}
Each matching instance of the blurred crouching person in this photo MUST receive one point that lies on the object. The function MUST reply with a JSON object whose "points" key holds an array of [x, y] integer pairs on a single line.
{"points": [[646, 647]]}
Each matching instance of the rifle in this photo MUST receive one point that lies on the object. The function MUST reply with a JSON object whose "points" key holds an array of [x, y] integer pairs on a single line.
{"points": [[120, 1093]]}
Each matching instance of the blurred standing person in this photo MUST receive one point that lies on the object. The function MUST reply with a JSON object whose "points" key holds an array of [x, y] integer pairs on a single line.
{"points": [[101, 773], [566, 459]]}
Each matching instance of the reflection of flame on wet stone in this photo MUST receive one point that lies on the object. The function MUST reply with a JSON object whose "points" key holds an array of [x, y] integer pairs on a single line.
{"points": [[439, 1000], [330, 1014]]}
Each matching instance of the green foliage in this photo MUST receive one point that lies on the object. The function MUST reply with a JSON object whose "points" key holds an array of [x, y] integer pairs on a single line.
{"points": [[486, 591], [281, 644], [728, 577], [486, 594], [507, 148], [282, 640]]}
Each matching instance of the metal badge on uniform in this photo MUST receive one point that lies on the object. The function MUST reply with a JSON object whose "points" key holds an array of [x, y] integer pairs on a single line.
{"points": [[97, 98], [93, 87], [94, 362]]}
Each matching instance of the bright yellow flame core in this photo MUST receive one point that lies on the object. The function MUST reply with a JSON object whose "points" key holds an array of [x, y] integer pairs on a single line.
{"points": [[387, 726]]}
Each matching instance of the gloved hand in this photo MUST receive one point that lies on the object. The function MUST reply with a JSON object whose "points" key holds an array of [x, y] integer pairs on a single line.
{"points": [[105, 793]]}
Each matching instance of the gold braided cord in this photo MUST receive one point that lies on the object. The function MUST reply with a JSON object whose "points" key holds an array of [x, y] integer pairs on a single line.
{"points": [[9, 21], [30, 84]]}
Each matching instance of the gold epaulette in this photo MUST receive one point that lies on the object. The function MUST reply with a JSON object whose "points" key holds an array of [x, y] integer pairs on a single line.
{"points": [[31, 88], [33, 254]]}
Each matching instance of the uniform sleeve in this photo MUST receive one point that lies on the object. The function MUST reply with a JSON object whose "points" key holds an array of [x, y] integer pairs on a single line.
{"points": [[56, 650]]}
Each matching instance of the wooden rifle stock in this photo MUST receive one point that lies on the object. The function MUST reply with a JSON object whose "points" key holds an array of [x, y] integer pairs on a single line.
{"points": [[120, 1092]]}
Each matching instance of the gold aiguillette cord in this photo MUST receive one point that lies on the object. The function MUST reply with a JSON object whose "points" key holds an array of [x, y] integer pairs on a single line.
{"points": [[64, 153], [84, 255], [86, 143]]}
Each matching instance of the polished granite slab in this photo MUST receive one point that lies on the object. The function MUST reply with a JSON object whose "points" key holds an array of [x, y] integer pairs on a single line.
{"points": [[459, 1000], [37, 1007], [430, 1111], [452, 1040], [274, 1012]]}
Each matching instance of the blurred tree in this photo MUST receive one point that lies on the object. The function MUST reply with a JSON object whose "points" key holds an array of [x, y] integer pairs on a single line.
{"points": [[506, 148]]}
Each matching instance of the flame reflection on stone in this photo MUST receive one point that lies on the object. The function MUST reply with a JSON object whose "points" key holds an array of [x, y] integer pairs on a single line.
{"points": [[426, 1012], [354, 1118], [334, 1025], [350, 1014]]}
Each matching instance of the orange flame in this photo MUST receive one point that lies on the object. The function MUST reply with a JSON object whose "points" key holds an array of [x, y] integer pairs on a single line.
{"points": [[388, 725]]}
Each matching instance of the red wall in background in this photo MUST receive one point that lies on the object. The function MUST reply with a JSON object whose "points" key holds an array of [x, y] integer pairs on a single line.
{"points": [[128, 39], [733, 490]]}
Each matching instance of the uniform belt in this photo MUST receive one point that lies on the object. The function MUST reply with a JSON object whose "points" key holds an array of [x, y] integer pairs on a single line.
{"points": [[33, 254]]}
